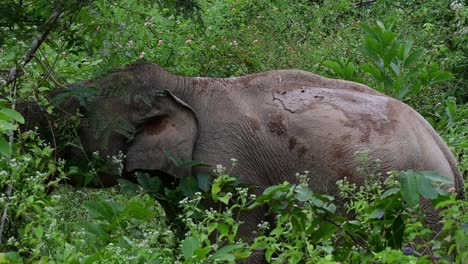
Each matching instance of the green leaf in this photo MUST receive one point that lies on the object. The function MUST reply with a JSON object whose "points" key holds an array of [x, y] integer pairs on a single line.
{"points": [[14, 115], [376, 214], [440, 77], [202, 252], [335, 67], [188, 186], [223, 229], [127, 187], [303, 194], [103, 210], [137, 210], [10, 257], [203, 180], [349, 71], [409, 187], [149, 184], [369, 31], [224, 199], [6, 126], [396, 235], [324, 232], [226, 252], [427, 189], [98, 230], [373, 70], [435, 176], [189, 245], [4, 147], [413, 57], [192, 163], [387, 38], [177, 162], [390, 192], [373, 48]]}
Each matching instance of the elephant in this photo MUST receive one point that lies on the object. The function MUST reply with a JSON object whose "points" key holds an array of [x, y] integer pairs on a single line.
{"points": [[276, 123]]}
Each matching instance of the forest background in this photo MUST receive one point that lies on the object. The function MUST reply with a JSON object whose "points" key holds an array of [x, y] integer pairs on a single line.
{"points": [[415, 51]]}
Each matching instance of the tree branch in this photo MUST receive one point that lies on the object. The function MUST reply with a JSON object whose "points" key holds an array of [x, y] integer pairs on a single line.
{"points": [[363, 3], [49, 24]]}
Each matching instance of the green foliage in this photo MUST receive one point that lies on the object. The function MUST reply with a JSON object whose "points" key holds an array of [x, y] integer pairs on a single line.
{"points": [[8, 119], [28, 173], [409, 59]]}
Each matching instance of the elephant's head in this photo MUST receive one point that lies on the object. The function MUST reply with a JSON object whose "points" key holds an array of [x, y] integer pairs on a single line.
{"points": [[129, 113]]}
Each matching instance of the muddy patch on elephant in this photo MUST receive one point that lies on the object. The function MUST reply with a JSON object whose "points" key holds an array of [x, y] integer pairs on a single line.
{"points": [[292, 143], [295, 145], [301, 151], [276, 124], [253, 124]]}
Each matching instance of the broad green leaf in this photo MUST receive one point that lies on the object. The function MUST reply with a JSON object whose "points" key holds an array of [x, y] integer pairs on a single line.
{"points": [[376, 214], [413, 57], [215, 189], [189, 245], [137, 210], [202, 253], [426, 188], [387, 38], [98, 230], [391, 56], [203, 180], [409, 187], [149, 184], [324, 232], [381, 25], [373, 70], [224, 199], [451, 108], [192, 163], [127, 187], [10, 257], [4, 147], [14, 115], [177, 162], [349, 70], [435, 176], [103, 210], [373, 47], [226, 252], [223, 229], [396, 235], [440, 77], [395, 67], [304, 194], [189, 186], [390, 192], [6, 126], [334, 66], [369, 31]]}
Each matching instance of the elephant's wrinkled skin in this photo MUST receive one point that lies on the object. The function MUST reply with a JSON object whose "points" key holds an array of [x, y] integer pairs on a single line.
{"points": [[275, 123]]}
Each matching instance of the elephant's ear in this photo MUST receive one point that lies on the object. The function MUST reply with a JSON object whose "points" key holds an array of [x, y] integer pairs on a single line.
{"points": [[169, 128]]}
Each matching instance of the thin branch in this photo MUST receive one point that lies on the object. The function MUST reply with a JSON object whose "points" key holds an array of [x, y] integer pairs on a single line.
{"points": [[49, 24], [363, 3], [10, 145], [5, 210]]}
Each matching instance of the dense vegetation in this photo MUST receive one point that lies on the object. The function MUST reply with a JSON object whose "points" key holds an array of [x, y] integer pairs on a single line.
{"points": [[413, 50]]}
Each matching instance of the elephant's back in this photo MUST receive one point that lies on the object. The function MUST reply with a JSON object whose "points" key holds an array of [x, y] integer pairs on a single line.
{"points": [[331, 125]]}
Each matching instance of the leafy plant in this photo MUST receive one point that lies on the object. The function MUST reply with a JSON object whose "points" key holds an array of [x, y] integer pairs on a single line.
{"points": [[394, 63], [343, 69]]}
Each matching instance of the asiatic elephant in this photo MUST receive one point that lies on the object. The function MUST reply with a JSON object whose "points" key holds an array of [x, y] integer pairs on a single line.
{"points": [[275, 123]]}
